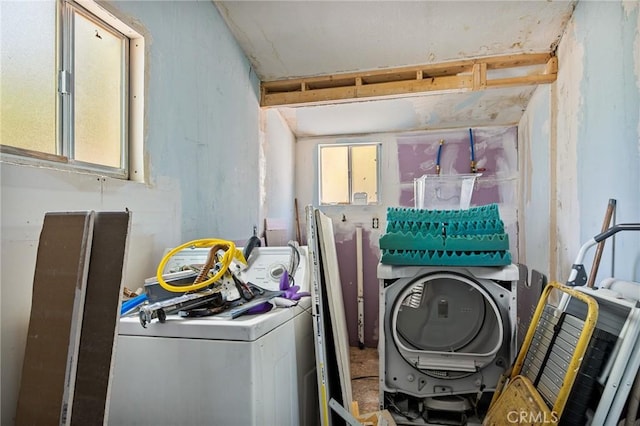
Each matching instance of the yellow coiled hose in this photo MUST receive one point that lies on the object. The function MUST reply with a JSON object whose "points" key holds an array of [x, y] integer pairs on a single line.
{"points": [[230, 253]]}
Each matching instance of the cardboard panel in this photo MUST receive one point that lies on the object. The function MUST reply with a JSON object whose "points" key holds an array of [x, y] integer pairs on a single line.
{"points": [[100, 319], [46, 389]]}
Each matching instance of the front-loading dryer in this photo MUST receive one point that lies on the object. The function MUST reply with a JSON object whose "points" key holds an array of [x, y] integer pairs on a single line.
{"points": [[447, 335]]}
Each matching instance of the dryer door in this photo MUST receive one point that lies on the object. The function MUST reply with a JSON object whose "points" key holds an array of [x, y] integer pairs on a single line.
{"points": [[445, 321]]}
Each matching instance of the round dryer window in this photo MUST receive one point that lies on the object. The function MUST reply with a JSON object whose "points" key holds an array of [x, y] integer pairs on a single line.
{"points": [[439, 316]]}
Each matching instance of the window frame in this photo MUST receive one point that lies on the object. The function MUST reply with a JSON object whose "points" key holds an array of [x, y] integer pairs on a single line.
{"points": [[67, 101], [132, 107], [350, 145]]}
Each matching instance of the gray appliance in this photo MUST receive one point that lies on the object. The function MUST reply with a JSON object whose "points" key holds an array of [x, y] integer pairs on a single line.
{"points": [[447, 335]]}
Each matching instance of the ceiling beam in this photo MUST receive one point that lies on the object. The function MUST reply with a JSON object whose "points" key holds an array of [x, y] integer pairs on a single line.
{"points": [[463, 75]]}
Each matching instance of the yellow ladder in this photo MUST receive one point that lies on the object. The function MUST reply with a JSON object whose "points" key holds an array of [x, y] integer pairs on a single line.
{"points": [[545, 370]]}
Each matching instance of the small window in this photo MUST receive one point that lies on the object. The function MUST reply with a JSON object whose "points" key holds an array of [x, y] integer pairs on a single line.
{"points": [[349, 174], [70, 71]]}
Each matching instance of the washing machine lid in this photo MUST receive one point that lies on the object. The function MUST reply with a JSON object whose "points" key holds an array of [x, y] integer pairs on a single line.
{"points": [[266, 265], [244, 328]]}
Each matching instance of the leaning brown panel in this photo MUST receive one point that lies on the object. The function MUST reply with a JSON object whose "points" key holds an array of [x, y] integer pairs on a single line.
{"points": [[59, 282], [100, 319]]}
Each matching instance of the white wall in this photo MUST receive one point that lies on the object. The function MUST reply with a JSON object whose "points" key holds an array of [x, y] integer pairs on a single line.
{"points": [[27, 193], [201, 150], [203, 116], [277, 152], [592, 151], [534, 142]]}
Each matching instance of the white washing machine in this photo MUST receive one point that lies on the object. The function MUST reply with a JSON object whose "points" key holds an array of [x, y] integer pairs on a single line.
{"points": [[447, 334], [251, 370]]}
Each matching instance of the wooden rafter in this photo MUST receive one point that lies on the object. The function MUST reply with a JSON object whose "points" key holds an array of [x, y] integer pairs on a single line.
{"points": [[464, 75]]}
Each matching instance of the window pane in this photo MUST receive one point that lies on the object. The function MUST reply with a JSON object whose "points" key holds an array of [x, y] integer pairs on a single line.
{"points": [[364, 164], [334, 163], [27, 74], [99, 90]]}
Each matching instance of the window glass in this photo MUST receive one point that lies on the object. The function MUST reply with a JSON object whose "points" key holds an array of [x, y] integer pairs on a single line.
{"points": [[334, 173], [28, 75], [66, 74], [365, 171], [349, 174], [98, 66]]}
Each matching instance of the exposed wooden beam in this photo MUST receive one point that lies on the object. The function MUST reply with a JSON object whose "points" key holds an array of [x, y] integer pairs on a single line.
{"points": [[479, 76], [463, 75]]}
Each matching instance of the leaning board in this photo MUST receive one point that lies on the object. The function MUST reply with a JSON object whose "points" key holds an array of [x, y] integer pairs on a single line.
{"points": [[46, 389], [318, 311], [100, 319], [333, 285]]}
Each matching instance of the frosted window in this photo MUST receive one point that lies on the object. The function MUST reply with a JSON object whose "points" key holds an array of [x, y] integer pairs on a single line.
{"points": [[99, 91], [27, 75], [365, 171], [64, 83], [335, 174], [349, 174]]}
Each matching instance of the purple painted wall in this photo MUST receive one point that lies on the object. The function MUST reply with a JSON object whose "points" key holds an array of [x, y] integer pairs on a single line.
{"points": [[348, 276], [417, 155]]}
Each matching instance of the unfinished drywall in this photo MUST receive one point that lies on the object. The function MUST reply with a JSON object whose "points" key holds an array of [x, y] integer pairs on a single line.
{"points": [[202, 98], [292, 39], [534, 158], [29, 192], [345, 220], [277, 148], [598, 135], [201, 150], [495, 107], [590, 152], [403, 157]]}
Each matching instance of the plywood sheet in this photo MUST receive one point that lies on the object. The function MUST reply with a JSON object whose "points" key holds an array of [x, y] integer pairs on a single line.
{"points": [[62, 261], [100, 319]]}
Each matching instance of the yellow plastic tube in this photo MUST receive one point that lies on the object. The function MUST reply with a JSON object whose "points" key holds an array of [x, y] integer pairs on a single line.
{"points": [[227, 258]]}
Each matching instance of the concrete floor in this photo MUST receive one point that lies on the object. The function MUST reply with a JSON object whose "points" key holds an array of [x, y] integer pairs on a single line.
{"points": [[364, 378]]}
